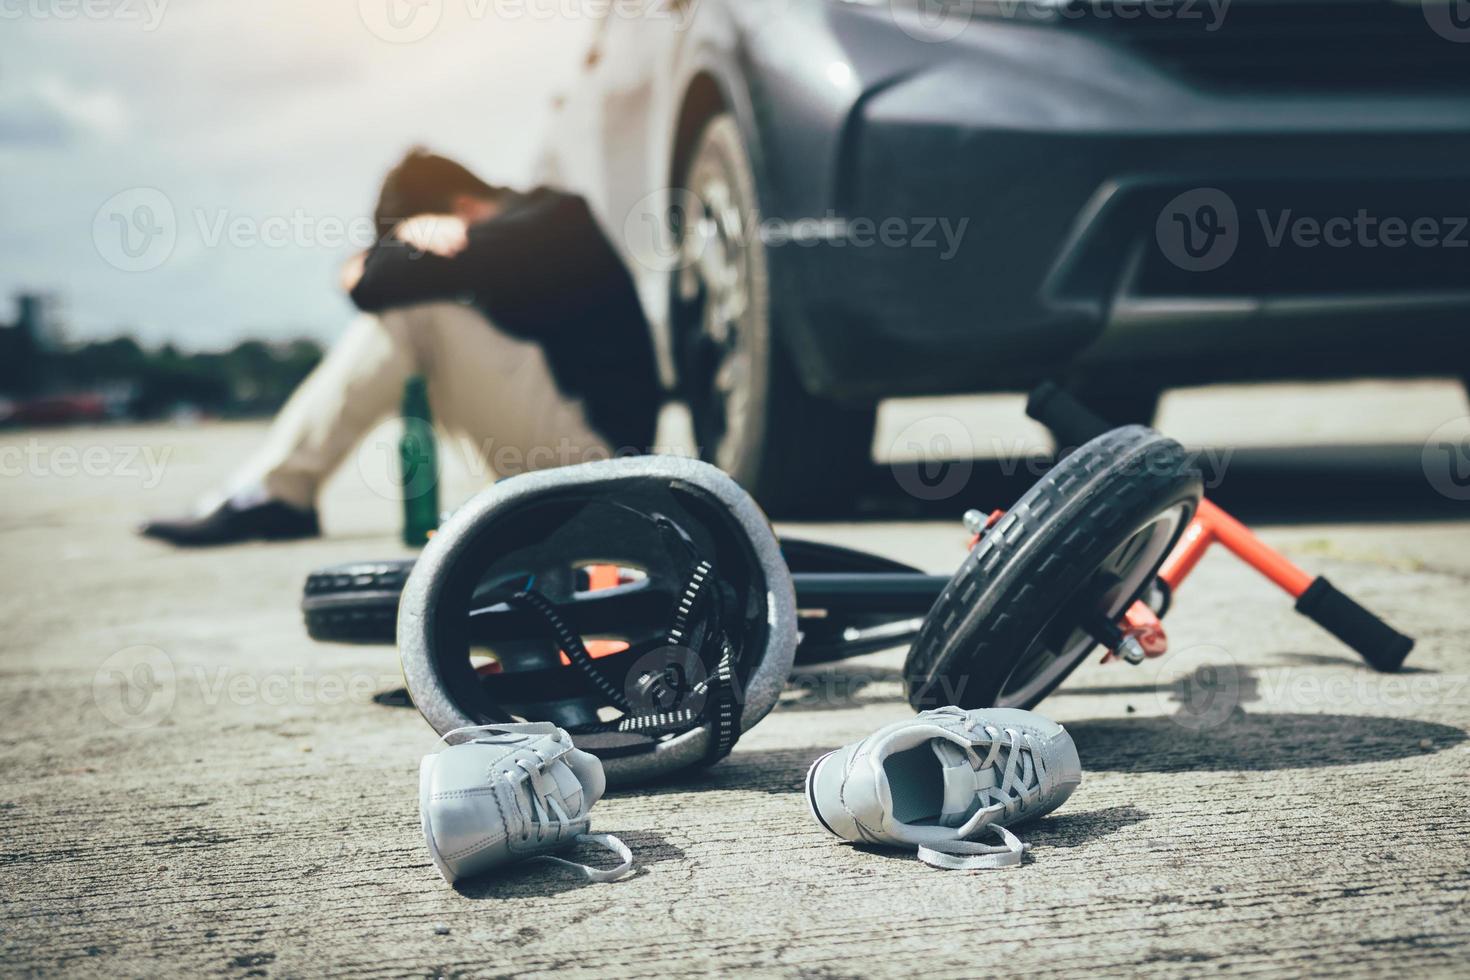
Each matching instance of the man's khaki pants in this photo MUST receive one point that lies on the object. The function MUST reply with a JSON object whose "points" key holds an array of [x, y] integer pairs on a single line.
{"points": [[492, 389]]}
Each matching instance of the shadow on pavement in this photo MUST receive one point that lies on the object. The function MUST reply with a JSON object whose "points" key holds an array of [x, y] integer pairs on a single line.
{"points": [[1072, 829], [538, 879], [1252, 742], [1056, 830], [775, 771]]}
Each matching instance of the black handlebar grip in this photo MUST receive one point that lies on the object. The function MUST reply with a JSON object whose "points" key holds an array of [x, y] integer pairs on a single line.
{"points": [[1379, 643], [1070, 421]]}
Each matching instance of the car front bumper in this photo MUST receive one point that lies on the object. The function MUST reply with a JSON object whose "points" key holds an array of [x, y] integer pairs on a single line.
{"points": [[1026, 179]]}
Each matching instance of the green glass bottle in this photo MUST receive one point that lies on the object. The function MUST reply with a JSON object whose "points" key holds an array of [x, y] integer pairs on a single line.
{"points": [[418, 461]]}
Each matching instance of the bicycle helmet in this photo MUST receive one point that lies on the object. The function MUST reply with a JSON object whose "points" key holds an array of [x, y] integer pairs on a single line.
{"points": [[642, 604]]}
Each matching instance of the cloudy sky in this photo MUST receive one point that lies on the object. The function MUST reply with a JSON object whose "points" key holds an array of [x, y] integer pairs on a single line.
{"points": [[197, 170]]}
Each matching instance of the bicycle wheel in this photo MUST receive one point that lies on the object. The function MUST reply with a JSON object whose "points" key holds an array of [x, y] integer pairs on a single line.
{"points": [[1080, 546], [356, 602]]}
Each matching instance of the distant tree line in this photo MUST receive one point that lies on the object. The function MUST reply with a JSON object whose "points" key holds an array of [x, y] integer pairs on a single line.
{"points": [[252, 378]]}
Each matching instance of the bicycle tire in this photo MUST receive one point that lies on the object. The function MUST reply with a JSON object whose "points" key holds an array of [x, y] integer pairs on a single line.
{"points": [[1028, 573]]}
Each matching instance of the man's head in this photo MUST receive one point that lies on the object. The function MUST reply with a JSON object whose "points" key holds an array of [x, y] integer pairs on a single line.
{"points": [[426, 183]]}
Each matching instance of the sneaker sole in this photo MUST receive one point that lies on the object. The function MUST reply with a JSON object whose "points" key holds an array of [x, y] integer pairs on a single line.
{"points": [[811, 803]]}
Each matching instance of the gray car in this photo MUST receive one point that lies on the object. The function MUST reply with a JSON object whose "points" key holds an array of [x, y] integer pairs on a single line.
{"points": [[827, 203]]}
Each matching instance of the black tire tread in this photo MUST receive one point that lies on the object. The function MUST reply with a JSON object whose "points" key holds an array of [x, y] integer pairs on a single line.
{"points": [[1004, 584], [356, 602]]}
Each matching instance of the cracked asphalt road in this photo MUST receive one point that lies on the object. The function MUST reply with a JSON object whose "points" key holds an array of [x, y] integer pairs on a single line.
{"points": [[234, 800]]}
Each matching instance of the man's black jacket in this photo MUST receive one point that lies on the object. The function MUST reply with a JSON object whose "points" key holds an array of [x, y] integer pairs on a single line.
{"points": [[542, 270]]}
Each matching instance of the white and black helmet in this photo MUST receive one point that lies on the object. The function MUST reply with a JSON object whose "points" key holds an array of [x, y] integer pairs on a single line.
{"points": [[514, 611]]}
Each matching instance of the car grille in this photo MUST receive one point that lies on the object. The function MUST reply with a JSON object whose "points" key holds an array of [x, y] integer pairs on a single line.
{"points": [[1356, 45]]}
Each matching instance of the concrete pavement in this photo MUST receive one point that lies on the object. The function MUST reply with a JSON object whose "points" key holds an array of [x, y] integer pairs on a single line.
{"points": [[191, 786]]}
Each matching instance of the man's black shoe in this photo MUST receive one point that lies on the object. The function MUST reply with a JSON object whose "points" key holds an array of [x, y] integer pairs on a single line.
{"points": [[228, 524]]}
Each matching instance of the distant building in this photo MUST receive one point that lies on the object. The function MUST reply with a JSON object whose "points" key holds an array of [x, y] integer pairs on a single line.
{"points": [[21, 344]]}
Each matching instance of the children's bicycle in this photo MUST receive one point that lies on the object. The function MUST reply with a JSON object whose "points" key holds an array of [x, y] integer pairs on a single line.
{"points": [[1091, 556]]}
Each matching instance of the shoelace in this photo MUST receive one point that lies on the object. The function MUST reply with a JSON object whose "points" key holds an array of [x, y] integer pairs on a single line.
{"points": [[969, 855], [1021, 773], [549, 819]]}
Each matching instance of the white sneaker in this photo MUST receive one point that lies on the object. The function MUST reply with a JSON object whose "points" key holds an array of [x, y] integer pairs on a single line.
{"points": [[509, 793], [939, 780]]}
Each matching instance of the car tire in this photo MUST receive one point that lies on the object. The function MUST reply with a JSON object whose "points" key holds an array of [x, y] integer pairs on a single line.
{"points": [[752, 416]]}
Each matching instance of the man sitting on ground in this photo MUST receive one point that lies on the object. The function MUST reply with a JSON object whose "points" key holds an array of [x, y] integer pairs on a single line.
{"points": [[516, 310]]}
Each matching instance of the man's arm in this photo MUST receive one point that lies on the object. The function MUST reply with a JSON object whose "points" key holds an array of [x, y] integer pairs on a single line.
{"points": [[537, 254], [422, 261]]}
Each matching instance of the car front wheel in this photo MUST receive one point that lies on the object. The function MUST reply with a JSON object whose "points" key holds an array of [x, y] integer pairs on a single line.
{"points": [[752, 417]]}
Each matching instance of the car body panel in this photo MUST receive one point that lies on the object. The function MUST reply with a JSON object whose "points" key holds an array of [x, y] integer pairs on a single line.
{"points": [[1050, 143]]}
